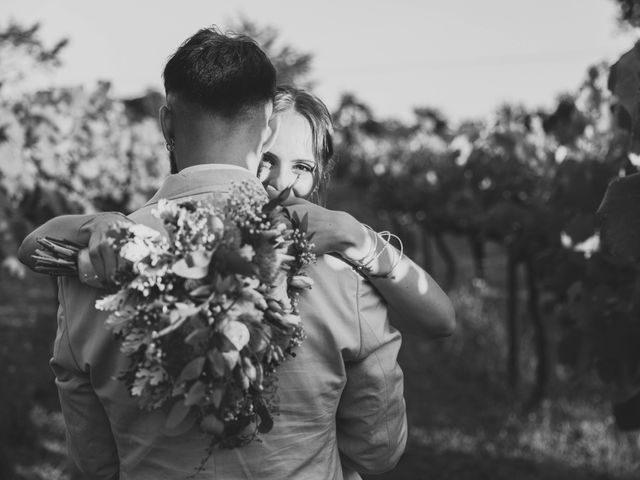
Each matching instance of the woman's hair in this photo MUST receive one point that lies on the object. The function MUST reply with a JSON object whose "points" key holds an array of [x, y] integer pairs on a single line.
{"points": [[317, 114]]}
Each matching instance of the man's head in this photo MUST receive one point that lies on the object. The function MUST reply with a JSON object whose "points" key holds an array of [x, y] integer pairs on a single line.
{"points": [[219, 91]]}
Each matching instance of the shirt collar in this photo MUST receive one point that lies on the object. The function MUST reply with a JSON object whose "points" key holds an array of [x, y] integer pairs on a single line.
{"points": [[210, 166]]}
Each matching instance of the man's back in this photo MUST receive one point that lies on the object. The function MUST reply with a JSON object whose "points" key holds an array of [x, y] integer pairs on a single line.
{"points": [[343, 389]]}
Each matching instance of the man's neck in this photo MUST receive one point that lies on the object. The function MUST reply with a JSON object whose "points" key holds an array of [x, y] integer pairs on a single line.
{"points": [[213, 155], [233, 147]]}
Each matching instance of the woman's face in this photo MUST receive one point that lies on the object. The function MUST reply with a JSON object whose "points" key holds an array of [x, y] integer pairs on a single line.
{"points": [[290, 161]]}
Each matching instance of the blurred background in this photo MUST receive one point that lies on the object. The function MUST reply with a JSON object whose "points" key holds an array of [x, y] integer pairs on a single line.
{"points": [[483, 133]]}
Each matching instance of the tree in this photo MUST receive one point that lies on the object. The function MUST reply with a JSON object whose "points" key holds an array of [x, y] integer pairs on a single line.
{"points": [[293, 67], [22, 51]]}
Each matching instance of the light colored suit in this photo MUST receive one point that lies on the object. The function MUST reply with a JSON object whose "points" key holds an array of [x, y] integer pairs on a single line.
{"points": [[341, 399]]}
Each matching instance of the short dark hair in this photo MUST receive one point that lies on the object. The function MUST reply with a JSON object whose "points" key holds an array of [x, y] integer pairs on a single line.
{"points": [[222, 73]]}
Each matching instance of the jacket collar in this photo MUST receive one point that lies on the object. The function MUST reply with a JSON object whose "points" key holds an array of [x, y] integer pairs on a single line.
{"points": [[202, 179]]}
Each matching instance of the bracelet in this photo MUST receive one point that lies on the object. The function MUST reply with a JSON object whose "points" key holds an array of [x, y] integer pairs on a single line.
{"points": [[388, 274], [372, 249], [363, 267]]}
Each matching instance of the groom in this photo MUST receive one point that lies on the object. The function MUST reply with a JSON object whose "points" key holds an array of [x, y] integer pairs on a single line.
{"points": [[341, 400]]}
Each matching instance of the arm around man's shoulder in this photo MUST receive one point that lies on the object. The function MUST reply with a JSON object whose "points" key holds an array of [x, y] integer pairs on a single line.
{"points": [[371, 418]]}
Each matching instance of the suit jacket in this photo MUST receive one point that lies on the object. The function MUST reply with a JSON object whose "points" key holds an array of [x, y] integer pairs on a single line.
{"points": [[341, 398]]}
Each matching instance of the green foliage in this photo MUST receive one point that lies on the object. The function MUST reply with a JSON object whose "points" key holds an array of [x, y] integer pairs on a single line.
{"points": [[629, 12], [22, 51], [66, 149], [530, 181]]}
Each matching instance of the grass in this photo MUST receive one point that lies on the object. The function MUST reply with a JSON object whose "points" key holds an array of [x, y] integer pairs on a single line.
{"points": [[31, 427], [466, 424]]}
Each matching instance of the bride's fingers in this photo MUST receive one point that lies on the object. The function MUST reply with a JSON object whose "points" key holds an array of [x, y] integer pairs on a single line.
{"points": [[292, 200], [110, 262], [271, 192], [96, 262]]}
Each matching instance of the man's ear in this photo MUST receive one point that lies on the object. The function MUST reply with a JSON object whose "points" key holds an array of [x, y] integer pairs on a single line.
{"points": [[166, 123], [273, 127]]}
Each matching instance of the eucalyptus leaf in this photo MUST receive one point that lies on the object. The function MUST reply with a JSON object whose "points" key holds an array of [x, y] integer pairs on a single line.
{"points": [[212, 425], [217, 395], [178, 413], [266, 420], [217, 362], [192, 370], [196, 394], [197, 336]]}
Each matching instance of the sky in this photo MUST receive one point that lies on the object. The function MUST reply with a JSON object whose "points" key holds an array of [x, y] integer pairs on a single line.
{"points": [[464, 57]]}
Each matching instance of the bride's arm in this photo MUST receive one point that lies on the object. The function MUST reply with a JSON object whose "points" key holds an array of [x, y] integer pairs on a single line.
{"points": [[80, 229], [408, 289]]}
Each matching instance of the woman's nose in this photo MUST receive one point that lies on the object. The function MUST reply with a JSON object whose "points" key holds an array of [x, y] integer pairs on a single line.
{"points": [[282, 178]]}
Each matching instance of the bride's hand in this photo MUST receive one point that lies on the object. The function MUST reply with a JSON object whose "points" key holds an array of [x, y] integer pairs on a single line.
{"points": [[103, 258], [334, 231]]}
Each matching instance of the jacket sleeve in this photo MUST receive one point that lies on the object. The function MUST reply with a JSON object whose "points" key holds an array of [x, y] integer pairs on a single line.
{"points": [[90, 442], [371, 419]]}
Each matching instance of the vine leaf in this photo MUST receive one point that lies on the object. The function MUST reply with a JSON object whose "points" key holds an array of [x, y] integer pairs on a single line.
{"points": [[619, 216]]}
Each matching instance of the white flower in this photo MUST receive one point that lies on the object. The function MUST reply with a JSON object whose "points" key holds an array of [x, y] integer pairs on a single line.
{"points": [[247, 252], [143, 231], [112, 302], [199, 262], [237, 333], [135, 250]]}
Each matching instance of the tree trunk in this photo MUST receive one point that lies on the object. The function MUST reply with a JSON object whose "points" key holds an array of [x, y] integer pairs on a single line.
{"points": [[451, 268], [404, 231], [477, 254], [513, 324], [543, 367], [427, 250]]}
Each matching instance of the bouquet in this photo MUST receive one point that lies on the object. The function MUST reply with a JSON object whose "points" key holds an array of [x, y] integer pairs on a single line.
{"points": [[207, 313]]}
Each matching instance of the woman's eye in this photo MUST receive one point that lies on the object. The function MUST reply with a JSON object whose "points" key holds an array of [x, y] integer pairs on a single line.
{"points": [[304, 167], [267, 160]]}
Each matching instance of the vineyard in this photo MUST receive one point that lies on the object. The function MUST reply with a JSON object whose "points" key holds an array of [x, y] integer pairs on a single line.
{"points": [[554, 194]]}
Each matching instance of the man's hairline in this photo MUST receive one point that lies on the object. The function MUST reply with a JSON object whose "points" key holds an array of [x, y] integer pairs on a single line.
{"points": [[176, 97]]}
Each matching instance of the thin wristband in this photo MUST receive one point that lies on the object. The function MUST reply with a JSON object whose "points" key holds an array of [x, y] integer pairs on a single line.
{"points": [[372, 249], [396, 263]]}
